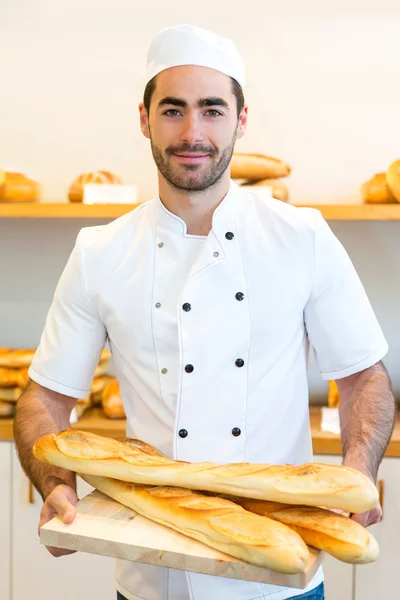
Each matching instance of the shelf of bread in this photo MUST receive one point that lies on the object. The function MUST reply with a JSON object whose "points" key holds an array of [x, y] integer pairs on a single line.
{"points": [[331, 212]]}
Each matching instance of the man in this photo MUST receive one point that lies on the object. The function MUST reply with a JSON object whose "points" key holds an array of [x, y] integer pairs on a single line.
{"points": [[209, 298]]}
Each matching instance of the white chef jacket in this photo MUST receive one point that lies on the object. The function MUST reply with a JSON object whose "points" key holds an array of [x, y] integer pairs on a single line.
{"points": [[210, 339]]}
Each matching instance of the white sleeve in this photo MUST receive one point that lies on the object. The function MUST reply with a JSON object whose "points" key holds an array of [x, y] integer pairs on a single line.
{"points": [[340, 322], [73, 337]]}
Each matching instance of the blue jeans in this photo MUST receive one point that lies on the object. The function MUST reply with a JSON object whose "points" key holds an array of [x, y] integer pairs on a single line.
{"points": [[316, 594]]}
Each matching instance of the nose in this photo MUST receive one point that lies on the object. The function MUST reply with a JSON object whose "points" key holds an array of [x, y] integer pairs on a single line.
{"points": [[191, 129]]}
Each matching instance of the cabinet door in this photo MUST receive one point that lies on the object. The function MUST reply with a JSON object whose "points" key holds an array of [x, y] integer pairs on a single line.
{"points": [[5, 518], [339, 576], [35, 573], [381, 578]]}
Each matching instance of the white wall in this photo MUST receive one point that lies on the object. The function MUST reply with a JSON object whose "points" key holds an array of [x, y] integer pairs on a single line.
{"points": [[323, 93]]}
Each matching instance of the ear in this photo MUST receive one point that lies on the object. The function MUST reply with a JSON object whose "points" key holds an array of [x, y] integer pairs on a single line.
{"points": [[241, 130], [144, 121]]}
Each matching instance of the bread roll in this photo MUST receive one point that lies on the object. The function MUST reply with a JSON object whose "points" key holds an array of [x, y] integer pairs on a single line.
{"points": [[214, 521], [75, 192], [18, 188], [377, 191], [254, 167], [279, 189], [311, 484], [96, 391], [7, 409], [16, 358], [393, 179], [112, 402], [82, 406]]}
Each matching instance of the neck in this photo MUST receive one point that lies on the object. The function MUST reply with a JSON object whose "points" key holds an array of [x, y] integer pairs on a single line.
{"points": [[195, 208]]}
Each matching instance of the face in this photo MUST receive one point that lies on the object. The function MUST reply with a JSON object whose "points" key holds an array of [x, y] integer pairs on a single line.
{"points": [[193, 126]]}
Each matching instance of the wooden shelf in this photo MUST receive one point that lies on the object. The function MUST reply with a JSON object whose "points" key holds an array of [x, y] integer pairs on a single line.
{"points": [[331, 212]]}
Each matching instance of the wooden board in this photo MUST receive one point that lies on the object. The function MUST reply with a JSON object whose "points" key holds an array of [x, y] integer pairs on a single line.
{"points": [[103, 526]]}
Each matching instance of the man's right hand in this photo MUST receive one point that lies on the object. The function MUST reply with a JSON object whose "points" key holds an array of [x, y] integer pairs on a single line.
{"points": [[60, 502]]}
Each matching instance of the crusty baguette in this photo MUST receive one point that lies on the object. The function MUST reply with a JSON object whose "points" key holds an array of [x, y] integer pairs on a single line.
{"points": [[10, 394], [16, 358], [214, 521], [9, 377], [310, 484], [279, 190], [336, 534], [254, 167], [7, 409], [112, 402]]}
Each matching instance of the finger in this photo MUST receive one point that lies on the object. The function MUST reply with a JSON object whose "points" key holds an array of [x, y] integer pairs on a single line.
{"points": [[361, 518], [62, 501]]}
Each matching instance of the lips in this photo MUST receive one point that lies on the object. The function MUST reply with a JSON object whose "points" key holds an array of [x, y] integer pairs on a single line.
{"points": [[192, 157]]}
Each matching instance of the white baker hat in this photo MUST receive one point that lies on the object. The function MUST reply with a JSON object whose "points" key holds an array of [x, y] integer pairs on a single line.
{"points": [[189, 45]]}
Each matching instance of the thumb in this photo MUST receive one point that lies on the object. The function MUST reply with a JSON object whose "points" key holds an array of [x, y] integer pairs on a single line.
{"points": [[62, 501]]}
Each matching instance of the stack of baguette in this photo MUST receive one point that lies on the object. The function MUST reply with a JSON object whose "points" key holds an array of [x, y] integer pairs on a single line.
{"points": [[383, 188], [14, 365], [104, 393], [263, 514], [260, 170]]}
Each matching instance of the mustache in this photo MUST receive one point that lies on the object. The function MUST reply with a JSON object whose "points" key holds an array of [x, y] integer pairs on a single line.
{"points": [[188, 149]]}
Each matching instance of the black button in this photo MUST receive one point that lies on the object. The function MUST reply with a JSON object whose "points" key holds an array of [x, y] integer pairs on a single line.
{"points": [[229, 235], [186, 307], [239, 362], [236, 431], [183, 433], [189, 368], [239, 296]]}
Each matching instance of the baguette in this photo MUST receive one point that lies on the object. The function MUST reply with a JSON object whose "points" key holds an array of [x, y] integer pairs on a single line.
{"points": [[310, 484], [9, 377], [7, 409], [214, 521], [112, 402], [15, 359], [335, 534], [10, 394], [254, 167]]}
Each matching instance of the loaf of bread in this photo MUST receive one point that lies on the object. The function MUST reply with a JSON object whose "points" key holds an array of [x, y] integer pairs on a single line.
{"points": [[7, 409], [279, 190], [333, 533], [216, 522], [9, 377], [311, 484], [16, 187], [376, 190], [75, 192], [98, 385], [393, 179], [15, 359], [254, 167], [112, 402]]}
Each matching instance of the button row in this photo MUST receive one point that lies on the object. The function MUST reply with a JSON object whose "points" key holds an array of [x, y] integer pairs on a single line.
{"points": [[239, 362], [183, 433]]}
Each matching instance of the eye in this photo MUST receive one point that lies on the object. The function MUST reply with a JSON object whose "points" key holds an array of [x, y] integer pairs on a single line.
{"points": [[172, 112], [214, 113]]}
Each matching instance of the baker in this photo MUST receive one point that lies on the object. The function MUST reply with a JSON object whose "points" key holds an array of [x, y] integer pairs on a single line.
{"points": [[209, 298]]}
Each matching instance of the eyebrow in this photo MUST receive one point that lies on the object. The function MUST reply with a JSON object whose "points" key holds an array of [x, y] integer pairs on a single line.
{"points": [[201, 103]]}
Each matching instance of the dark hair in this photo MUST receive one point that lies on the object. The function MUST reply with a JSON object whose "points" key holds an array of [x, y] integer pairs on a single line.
{"points": [[236, 89]]}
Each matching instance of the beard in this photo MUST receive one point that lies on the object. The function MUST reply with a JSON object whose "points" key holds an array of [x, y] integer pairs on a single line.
{"points": [[191, 177]]}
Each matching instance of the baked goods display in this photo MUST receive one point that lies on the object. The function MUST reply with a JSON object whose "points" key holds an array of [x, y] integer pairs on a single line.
{"points": [[14, 366], [383, 188], [259, 170], [112, 402], [75, 191], [16, 187], [155, 491]]}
